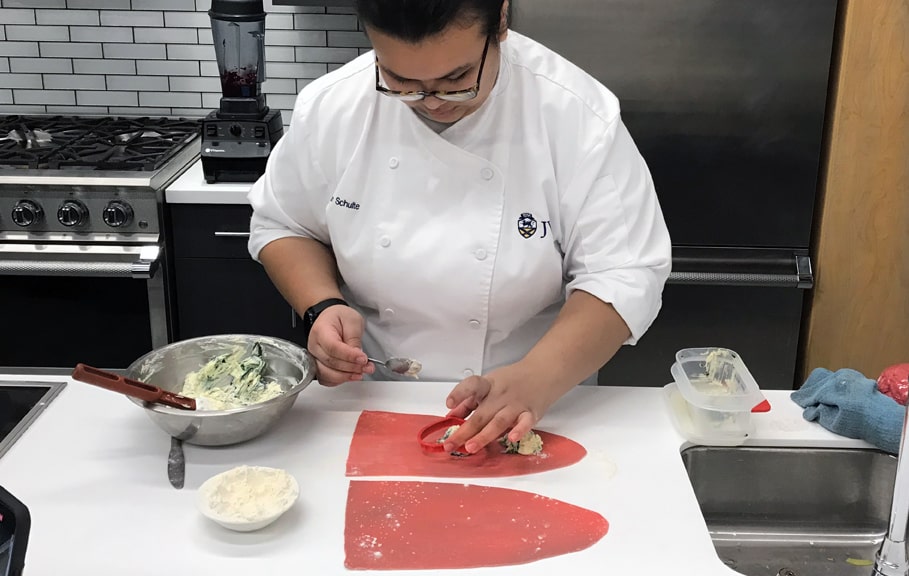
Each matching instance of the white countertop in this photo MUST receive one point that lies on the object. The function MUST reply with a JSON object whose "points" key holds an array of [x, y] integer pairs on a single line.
{"points": [[191, 188], [92, 470]]}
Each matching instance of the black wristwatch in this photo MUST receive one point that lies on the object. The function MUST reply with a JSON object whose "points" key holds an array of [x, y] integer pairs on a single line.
{"points": [[309, 317]]}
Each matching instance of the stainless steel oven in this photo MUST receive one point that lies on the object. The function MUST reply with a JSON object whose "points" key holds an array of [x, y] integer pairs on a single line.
{"points": [[83, 257]]}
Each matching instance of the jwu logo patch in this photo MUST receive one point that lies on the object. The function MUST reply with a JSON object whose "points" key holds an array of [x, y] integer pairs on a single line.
{"points": [[527, 225]]}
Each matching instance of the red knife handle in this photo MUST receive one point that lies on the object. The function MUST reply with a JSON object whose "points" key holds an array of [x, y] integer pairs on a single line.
{"points": [[136, 389]]}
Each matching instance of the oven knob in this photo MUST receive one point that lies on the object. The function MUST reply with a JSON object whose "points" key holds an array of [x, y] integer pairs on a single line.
{"points": [[117, 214], [72, 213], [26, 213]]}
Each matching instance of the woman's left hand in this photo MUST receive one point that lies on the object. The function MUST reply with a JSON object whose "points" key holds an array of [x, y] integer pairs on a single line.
{"points": [[508, 399]]}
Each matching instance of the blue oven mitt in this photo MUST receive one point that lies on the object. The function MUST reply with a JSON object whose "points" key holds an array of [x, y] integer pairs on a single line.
{"points": [[848, 404]]}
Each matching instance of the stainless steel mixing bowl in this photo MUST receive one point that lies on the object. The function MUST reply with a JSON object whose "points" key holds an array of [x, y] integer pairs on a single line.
{"points": [[167, 367]]}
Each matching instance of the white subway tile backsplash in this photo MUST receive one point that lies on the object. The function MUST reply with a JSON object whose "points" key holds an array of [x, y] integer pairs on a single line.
{"points": [[210, 69], [281, 101], [280, 86], [21, 81], [49, 33], [22, 109], [101, 33], [279, 22], [135, 51], [325, 22], [330, 55], [6, 96], [189, 112], [67, 17], [348, 39], [41, 65], [137, 83], [170, 99], [190, 52], [210, 100], [113, 4], [104, 67], [279, 54], [154, 57], [44, 97], [164, 5], [107, 98], [187, 20], [200, 84], [138, 111], [123, 18], [19, 49], [77, 110], [294, 38], [16, 16], [165, 36], [70, 50], [297, 70], [204, 36], [34, 3], [74, 81], [167, 68]]}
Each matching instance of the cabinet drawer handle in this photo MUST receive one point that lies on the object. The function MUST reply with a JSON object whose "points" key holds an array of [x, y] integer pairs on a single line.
{"points": [[232, 234]]}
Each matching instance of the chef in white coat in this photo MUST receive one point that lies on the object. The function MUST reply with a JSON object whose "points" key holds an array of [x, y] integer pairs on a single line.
{"points": [[463, 196]]}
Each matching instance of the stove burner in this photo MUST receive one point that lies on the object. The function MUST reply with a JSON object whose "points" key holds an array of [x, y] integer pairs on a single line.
{"points": [[92, 143]]}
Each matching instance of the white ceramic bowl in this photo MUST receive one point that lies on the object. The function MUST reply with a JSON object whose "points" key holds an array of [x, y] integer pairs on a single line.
{"points": [[247, 498]]}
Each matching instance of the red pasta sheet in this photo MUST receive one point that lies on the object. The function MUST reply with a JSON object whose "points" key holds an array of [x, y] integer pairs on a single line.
{"points": [[385, 444], [432, 525]]}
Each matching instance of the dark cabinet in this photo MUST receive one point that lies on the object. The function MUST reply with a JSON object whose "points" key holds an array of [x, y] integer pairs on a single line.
{"points": [[218, 288]]}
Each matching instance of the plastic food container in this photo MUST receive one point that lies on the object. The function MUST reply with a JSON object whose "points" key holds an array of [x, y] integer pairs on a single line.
{"points": [[718, 395]]}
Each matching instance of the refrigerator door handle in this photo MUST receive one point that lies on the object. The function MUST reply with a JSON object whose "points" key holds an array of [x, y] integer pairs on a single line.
{"points": [[693, 270]]}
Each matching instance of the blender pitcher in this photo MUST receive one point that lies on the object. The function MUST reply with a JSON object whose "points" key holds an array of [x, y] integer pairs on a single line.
{"points": [[238, 32]]}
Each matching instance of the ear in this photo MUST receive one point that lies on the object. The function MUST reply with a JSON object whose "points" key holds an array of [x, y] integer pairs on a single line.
{"points": [[503, 21]]}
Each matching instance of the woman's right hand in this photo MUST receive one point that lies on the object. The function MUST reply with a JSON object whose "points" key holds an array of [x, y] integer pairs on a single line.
{"points": [[336, 342]]}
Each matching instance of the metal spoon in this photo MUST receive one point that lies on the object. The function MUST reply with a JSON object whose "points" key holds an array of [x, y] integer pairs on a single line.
{"points": [[405, 366]]}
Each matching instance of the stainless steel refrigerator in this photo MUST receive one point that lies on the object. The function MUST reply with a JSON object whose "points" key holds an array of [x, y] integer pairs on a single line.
{"points": [[726, 100]]}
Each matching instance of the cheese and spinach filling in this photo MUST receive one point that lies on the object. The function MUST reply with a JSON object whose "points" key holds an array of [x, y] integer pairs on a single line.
{"points": [[232, 380], [530, 443]]}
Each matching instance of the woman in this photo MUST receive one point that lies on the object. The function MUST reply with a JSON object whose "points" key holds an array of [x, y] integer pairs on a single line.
{"points": [[463, 196]]}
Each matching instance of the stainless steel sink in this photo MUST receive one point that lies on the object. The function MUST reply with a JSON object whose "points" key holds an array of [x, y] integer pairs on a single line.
{"points": [[794, 511]]}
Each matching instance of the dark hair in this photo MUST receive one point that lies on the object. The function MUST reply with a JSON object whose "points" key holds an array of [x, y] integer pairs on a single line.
{"points": [[416, 20]]}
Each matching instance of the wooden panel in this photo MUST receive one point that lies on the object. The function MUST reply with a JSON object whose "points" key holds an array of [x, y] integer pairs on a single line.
{"points": [[859, 313]]}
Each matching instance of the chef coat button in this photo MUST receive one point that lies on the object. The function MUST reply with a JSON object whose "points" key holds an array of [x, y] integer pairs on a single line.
{"points": [[480, 254], [385, 241], [393, 163], [474, 324], [468, 373], [487, 173], [389, 313]]}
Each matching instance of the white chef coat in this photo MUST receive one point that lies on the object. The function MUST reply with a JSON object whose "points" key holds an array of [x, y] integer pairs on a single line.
{"points": [[460, 248]]}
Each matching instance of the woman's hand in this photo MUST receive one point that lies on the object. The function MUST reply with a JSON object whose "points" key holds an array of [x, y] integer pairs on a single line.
{"points": [[507, 400], [336, 341]]}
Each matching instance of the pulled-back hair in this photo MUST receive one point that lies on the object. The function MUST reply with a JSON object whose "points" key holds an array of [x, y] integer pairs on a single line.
{"points": [[415, 20]]}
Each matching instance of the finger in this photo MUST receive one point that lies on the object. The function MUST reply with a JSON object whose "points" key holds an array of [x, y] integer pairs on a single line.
{"points": [[328, 376], [525, 424], [463, 409], [341, 357], [475, 386], [495, 429]]}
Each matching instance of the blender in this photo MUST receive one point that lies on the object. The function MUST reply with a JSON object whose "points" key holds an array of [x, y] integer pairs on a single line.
{"points": [[238, 137]]}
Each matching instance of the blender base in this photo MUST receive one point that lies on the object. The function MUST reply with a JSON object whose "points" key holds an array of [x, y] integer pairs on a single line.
{"points": [[236, 149]]}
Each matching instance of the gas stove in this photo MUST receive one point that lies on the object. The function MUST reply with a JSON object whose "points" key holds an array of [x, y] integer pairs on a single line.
{"points": [[68, 178]]}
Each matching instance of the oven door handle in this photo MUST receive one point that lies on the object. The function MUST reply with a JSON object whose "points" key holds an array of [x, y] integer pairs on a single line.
{"points": [[140, 264], [741, 267]]}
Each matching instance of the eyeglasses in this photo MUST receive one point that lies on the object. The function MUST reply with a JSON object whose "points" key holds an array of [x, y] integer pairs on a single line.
{"points": [[451, 96]]}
